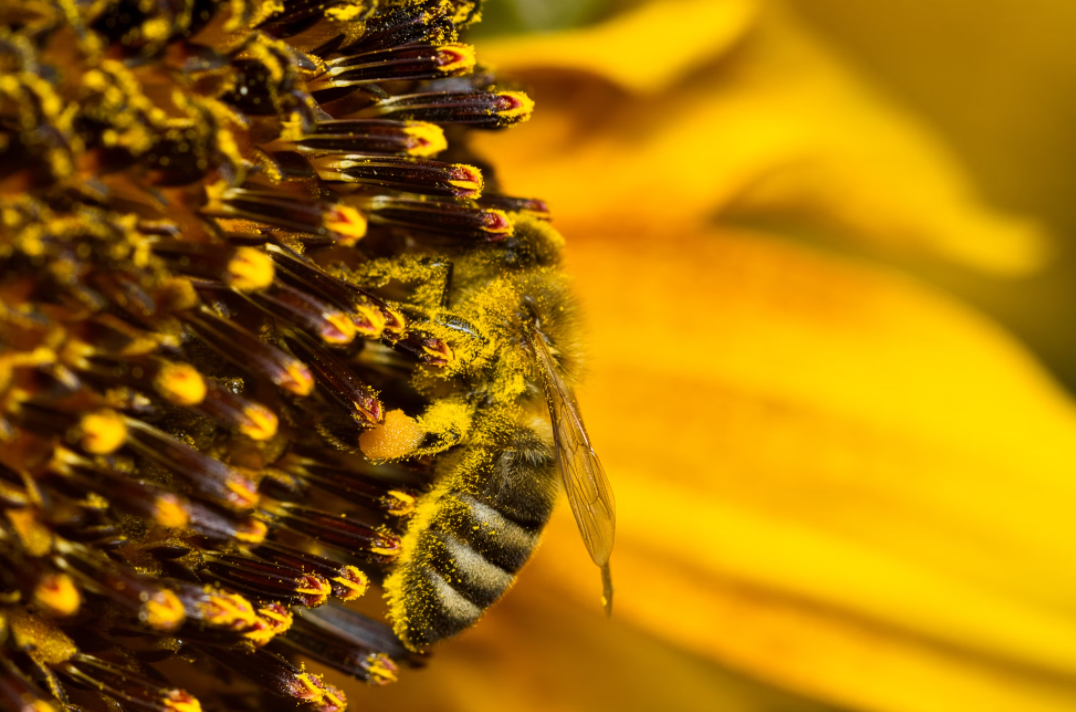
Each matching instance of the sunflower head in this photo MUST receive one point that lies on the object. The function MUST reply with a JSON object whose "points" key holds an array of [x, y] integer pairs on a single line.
{"points": [[255, 296]]}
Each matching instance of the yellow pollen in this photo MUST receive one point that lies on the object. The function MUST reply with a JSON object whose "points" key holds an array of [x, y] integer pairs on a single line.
{"points": [[308, 689], [385, 551], [261, 422], [356, 583], [461, 57], [57, 593], [344, 326], [228, 610], [46, 643], [299, 382], [183, 702], [156, 29], [280, 618], [252, 532], [372, 320], [524, 105], [270, 623], [335, 697], [249, 270], [348, 222], [381, 670], [180, 383], [396, 437], [170, 511], [35, 538], [164, 611], [345, 13], [429, 139], [246, 491], [443, 353], [103, 432], [314, 586], [395, 321], [506, 227], [400, 503]]}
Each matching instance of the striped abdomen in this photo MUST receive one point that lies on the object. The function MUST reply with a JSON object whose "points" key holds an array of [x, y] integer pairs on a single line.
{"points": [[470, 537]]}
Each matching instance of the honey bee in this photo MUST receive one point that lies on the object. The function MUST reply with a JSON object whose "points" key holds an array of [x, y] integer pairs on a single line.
{"points": [[477, 527]]}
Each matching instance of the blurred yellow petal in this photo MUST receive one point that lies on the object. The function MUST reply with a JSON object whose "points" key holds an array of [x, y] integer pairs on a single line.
{"points": [[538, 651], [776, 128], [633, 50], [827, 475]]}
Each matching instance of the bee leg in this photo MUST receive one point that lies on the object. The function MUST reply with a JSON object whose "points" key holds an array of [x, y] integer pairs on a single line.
{"points": [[438, 283]]}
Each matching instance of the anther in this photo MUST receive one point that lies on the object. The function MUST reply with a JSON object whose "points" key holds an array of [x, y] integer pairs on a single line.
{"points": [[348, 582], [287, 210], [207, 475], [427, 22], [341, 653], [366, 311], [363, 136], [241, 268], [341, 384], [127, 685], [351, 485], [409, 62], [155, 605], [247, 351], [228, 408], [305, 312], [267, 580], [215, 607], [356, 630], [57, 594], [444, 180], [531, 206], [273, 619], [219, 526], [178, 383], [449, 219], [140, 498], [335, 700], [99, 432], [426, 348], [272, 672], [338, 532], [476, 109]]}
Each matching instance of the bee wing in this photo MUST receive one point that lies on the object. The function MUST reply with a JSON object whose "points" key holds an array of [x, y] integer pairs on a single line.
{"points": [[589, 492]]}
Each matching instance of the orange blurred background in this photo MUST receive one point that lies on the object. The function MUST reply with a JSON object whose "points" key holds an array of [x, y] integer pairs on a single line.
{"points": [[824, 249]]}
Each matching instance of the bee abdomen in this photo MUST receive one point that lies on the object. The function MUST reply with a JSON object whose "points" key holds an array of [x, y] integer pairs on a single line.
{"points": [[501, 540], [467, 553]]}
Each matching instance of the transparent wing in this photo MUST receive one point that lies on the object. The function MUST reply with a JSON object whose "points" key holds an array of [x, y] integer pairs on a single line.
{"points": [[588, 488]]}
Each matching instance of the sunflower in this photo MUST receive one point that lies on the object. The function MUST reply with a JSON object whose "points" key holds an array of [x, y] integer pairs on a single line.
{"points": [[270, 336], [839, 487]]}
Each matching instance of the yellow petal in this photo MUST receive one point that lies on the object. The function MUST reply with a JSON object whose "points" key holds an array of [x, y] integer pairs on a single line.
{"points": [[634, 49], [538, 651], [778, 128], [827, 476]]}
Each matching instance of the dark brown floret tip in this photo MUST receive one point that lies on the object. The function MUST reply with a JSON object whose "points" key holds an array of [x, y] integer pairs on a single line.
{"points": [[214, 220]]}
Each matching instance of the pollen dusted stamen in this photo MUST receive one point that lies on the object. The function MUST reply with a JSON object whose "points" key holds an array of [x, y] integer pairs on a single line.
{"points": [[418, 139]]}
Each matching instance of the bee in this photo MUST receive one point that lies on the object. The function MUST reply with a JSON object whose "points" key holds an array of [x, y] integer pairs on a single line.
{"points": [[478, 526]]}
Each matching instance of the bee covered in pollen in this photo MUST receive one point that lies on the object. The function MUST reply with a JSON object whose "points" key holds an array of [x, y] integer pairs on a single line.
{"points": [[477, 527]]}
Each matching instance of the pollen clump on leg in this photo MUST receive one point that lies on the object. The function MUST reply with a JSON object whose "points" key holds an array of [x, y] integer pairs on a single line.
{"points": [[393, 439]]}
